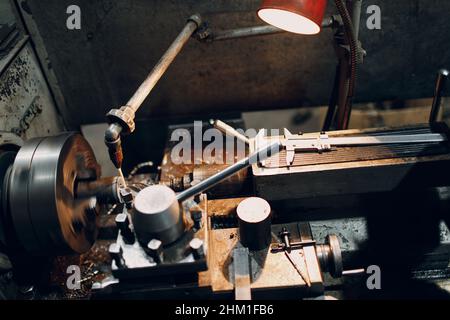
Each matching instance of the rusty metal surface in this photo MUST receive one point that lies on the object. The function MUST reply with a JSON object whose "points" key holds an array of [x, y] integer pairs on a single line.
{"points": [[26, 106], [223, 207], [169, 170], [102, 64], [269, 271], [94, 267], [236, 184]]}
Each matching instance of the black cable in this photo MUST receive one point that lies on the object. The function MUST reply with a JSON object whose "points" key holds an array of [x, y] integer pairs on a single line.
{"points": [[344, 116]]}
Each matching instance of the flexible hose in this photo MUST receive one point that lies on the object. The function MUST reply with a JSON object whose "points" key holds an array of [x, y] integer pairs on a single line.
{"points": [[344, 117]]}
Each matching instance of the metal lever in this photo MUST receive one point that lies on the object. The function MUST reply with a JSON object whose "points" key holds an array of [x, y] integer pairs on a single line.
{"points": [[440, 84], [229, 130], [122, 120], [256, 156], [296, 257]]}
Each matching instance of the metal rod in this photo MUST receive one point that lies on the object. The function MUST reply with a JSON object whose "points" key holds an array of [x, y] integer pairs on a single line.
{"points": [[256, 156], [245, 32], [106, 190], [229, 131], [440, 84], [122, 177], [164, 63], [353, 272], [356, 16], [254, 31], [373, 140]]}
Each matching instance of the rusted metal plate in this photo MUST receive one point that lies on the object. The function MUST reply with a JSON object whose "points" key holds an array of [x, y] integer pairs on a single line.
{"points": [[269, 271], [26, 105], [202, 168]]}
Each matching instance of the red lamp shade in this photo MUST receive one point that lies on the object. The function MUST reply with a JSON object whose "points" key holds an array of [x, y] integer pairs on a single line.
{"points": [[297, 16]]}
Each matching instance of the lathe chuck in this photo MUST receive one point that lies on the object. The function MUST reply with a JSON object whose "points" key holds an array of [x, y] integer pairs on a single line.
{"points": [[45, 213]]}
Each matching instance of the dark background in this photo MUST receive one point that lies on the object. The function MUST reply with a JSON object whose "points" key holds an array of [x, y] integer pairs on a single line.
{"points": [[101, 65]]}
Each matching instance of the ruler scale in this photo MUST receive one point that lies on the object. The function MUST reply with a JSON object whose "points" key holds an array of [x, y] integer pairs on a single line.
{"points": [[322, 142]]}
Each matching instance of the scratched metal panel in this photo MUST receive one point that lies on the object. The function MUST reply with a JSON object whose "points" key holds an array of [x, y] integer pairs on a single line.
{"points": [[26, 106], [102, 64]]}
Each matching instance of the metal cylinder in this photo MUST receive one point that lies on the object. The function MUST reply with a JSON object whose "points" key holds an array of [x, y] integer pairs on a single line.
{"points": [[46, 215], [163, 64], [254, 31], [245, 32], [256, 156], [355, 11], [330, 256], [230, 131], [157, 215], [106, 190], [254, 223]]}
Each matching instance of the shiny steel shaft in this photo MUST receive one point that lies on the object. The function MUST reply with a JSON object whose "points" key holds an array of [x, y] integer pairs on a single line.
{"points": [[259, 155], [230, 131], [392, 139], [164, 63]]}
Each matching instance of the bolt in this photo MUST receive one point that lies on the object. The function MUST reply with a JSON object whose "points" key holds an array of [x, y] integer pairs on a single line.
{"points": [[196, 216], [197, 248], [155, 250], [284, 235], [123, 223], [116, 253], [127, 197]]}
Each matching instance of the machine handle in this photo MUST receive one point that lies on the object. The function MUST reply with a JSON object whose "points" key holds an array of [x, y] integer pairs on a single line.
{"points": [[256, 156], [440, 85]]}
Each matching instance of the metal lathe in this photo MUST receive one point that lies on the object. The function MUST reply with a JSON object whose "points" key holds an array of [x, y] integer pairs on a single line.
{"points": [[240, 150]]}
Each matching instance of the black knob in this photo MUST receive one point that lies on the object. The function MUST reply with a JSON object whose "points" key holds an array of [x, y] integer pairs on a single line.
{"points": [[197, 248], [116, 253], [196, 216], [123, 223], [155, 250], [440, 85]]}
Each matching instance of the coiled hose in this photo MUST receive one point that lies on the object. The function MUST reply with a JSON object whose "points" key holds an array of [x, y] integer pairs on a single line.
{"points": [[343, 116]]}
